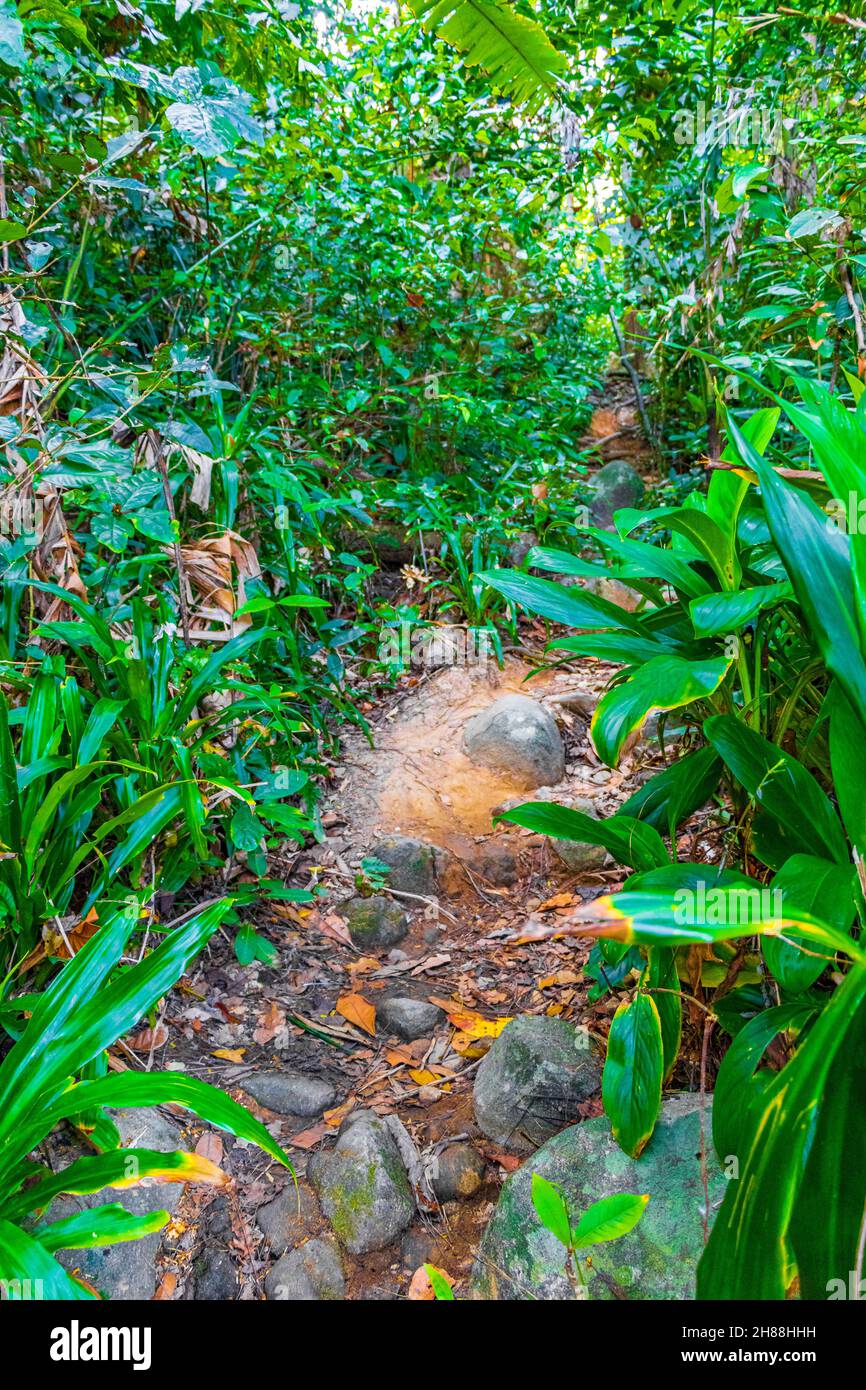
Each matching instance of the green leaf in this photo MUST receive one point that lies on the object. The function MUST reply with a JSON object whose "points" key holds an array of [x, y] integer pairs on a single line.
{"points": [[672, 795], [719, 614], [26, 1265], [828, 1218], [798, 815], [817, 557], [629, 841], [441, 1288], [12, 51], [514, 50], [748, 1253], [666, 682], [557, 602], [97, 1226], [633, 1070], [740, 1089], [609, 1218], [551, 1208], [820, 888]]}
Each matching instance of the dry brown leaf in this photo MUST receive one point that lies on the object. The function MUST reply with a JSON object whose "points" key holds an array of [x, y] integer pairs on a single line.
{"points": [[146, 1039], [354, 1008], [211, 1146], [272, 1020], [420, 1289], [167, 1286], [309, 1138]]}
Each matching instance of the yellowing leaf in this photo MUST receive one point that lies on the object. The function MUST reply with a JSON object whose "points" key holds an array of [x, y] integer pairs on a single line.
{"points": [[230, 1054]]}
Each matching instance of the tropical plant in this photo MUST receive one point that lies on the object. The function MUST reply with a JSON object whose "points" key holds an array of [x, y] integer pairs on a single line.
{"points": [[48, 1076]]}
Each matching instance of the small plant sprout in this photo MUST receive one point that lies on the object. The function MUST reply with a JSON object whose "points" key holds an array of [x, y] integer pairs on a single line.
{"points": [[607, 1219]]}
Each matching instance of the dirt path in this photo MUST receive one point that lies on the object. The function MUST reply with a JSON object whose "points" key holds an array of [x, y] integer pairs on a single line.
{"points": [[231, 1024]]}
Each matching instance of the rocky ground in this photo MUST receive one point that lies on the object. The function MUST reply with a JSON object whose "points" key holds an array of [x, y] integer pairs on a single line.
{"points": [[416, 1063]]}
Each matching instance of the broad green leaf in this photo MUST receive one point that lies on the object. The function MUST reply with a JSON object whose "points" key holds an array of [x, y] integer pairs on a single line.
{"points": [[747, 1256], [609, 1218], [672, 795], [719, 614], [560, 604], [828, 1217], [740, 1088], [666, 682], [97, 1226], [633, 1070], [512, 48], [120, 1168], [26, 1265], [800, 814], [820, 888], [628, 840], [551, 1208]]}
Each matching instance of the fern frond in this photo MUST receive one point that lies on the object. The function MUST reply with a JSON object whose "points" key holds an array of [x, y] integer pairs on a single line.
{"points": [[515, 51]]}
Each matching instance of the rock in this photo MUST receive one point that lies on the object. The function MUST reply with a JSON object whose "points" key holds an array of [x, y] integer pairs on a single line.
{"points": [[289, 1217], [216, 1279], [128, 1270], [375, 923], [312, 1273], [614, 591], [408, 1018], [520, 548], [577, 855], [532, 1080], [518, 736], [362, 1185], [497, 862], [290, 1092], [418, 1248], [519, 1259], [458, 1172], [412, 864], [615, 485]]}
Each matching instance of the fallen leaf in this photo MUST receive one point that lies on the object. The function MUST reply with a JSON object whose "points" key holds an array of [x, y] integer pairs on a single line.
{"points": [[335, 1117], [272, 1020], [354, 1008], [560, 900], [424, 1078], [230, 1054], [167, 1286], [147, 1039], [309, 1138], [210, 1145]]}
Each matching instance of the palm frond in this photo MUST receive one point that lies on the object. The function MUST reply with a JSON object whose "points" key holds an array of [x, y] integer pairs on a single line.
{"points": [[514, 50]]}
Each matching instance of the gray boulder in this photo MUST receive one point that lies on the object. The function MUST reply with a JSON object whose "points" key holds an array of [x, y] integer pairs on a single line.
{"points": [[289, 1217], [290, 1092], [518, 736], [216, 1279], [362, 1185], [312, 1273], [519, 1259], [615, 485], [408, 1018], [533, 1079], [375, 923], [577, 855], [412, 864]]}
